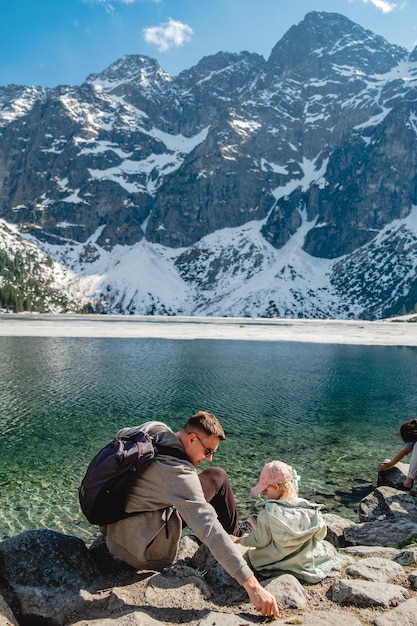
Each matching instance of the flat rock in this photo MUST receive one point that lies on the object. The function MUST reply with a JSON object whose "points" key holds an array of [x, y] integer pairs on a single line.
{"points": [[388, 532], [137, 618], [403, 615], [376, 569], [319, 618], [225, 619], [177, 587], [364, 593]]}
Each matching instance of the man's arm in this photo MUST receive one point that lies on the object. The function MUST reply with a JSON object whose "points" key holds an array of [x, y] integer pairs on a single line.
{"points": [[262, 600]]}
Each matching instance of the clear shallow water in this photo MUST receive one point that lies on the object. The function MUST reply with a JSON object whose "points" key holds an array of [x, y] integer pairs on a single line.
{"points": [[332, 411]]}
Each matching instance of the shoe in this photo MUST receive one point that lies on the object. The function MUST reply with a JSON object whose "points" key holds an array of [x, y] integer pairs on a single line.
{"points": [[404, 488], [248, 525]]}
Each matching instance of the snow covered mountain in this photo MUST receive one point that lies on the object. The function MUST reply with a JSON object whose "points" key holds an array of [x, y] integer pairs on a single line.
{"points": [[284, 187]]}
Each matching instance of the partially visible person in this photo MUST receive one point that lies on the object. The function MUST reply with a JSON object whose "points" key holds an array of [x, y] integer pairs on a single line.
{"points": [[290, 532], [169, 494], [408, 432]]}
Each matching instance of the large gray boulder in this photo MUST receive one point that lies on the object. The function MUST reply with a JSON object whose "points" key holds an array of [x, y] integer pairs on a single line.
{"points": [[42, 573]]}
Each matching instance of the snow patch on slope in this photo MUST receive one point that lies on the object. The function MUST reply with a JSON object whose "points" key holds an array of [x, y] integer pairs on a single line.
{"points": [[232, 272]]}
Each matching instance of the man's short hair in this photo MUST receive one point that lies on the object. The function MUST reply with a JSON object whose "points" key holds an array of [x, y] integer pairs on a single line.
{"points": [[207, 423]]}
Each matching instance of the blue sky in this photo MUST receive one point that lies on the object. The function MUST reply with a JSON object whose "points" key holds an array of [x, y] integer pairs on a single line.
{"points": [[52, 42]]}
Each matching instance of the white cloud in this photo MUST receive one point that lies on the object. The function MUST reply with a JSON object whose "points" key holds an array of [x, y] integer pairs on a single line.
{"points": [[170, 34], [386, 6]]}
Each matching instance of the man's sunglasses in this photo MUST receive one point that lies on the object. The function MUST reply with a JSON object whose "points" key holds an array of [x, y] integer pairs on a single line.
{"points": [[208, 451]]}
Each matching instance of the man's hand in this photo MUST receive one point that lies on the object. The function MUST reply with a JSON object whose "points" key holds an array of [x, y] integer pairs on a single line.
{"points": [[262, 600]]}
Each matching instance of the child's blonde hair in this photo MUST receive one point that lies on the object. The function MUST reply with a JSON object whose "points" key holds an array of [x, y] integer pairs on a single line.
{"points": [[288, 490]]}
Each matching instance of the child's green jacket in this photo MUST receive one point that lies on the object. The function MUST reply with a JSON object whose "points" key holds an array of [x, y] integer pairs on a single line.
{"points": [[290, 538]]}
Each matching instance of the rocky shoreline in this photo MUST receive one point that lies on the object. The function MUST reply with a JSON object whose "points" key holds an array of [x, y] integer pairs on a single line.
{"points": [[51, 579]]}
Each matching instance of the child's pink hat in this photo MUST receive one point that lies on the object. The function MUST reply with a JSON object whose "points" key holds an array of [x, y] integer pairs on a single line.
{"points": [[275, 472]]}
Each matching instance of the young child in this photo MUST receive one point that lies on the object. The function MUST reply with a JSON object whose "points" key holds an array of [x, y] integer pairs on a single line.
{"points": [[408, 431], [291, 530]]}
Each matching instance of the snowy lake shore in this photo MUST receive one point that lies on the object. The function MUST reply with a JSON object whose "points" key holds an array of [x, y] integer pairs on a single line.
{"points": [[384, 333]]}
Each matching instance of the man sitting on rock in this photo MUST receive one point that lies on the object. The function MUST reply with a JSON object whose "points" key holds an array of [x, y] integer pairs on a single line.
{"points": [[169, 494]]}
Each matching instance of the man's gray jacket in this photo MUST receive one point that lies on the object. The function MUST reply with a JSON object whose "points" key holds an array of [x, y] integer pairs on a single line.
{"points": [[167, 490]]}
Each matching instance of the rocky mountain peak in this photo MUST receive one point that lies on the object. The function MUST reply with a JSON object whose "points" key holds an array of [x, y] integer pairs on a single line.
{"points": [[17, 100], [139, 70], [323, 40]]}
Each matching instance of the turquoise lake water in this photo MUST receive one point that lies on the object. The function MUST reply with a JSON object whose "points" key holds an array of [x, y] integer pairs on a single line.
{"points": [[332, 411]]}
